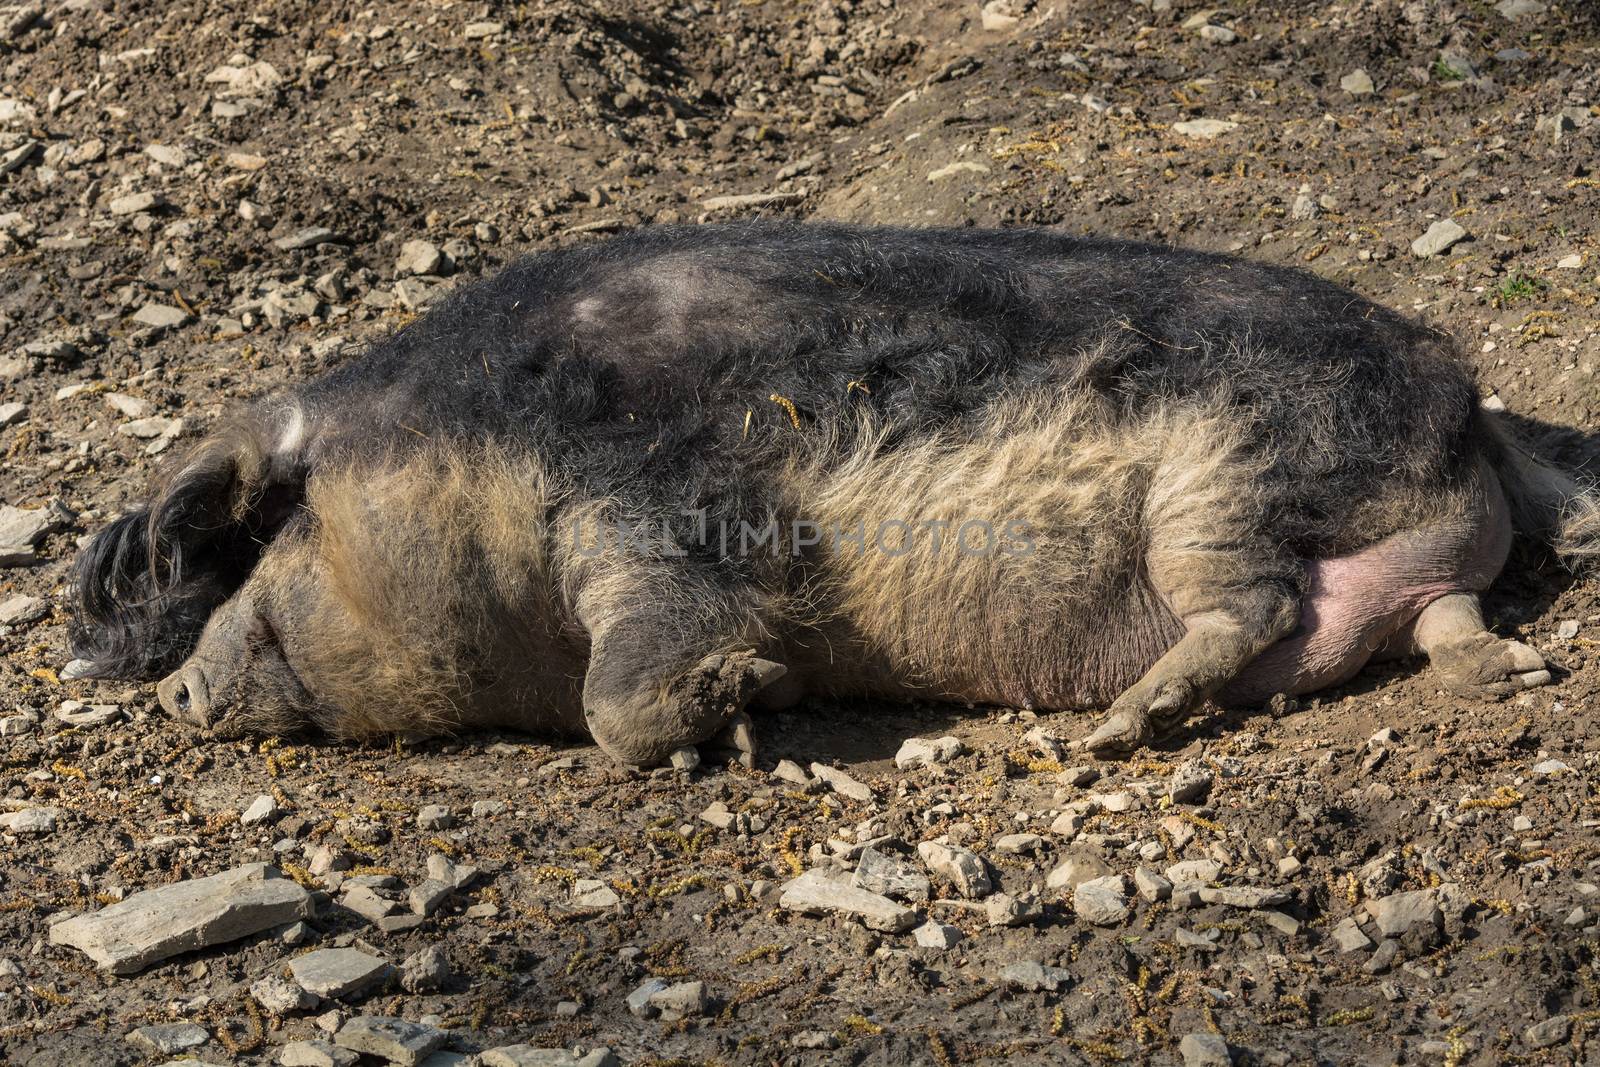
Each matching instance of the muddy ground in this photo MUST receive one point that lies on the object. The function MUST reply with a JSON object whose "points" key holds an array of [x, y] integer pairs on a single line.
{"points": [[162, 164]]}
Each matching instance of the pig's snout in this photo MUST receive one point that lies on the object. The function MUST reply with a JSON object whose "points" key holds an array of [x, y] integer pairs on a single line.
{"points": [[185, 695]]}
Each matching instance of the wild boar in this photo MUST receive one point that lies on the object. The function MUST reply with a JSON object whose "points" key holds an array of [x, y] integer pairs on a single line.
{"points": [[632, 487]]}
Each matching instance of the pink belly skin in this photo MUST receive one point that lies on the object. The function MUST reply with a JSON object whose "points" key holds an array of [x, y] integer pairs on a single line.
{"points": [[1355, 603]]}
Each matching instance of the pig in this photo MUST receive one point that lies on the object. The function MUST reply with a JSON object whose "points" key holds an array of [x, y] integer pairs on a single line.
{"points": [[638, 487]]}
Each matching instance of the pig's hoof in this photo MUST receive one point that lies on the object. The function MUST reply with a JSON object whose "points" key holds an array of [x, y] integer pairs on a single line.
{"points": [[1487, 666], [1122, 733]]}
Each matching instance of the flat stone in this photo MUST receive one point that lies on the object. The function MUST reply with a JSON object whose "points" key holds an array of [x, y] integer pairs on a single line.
{"points": [[435, 817], [936, 936], [396, 1040], [1194, 871], [1357, 83], [593, 893], [24, 527], [963, 867], [306, 238], [1003, 909], [425, 970], [1284, 923], [169, 1039], [419, 257], [951, 170], [1189, 783], [888, 875], [529, 1056], [1019, 844], [1243, 896], [1520, 9], [843, 784], [317, 1054], [1077, 868], [1205, 1050], [1399, 912], [262, 809], [338, 972], [280, 996], [1349, 936], [133, 407], [1101, 901], [817, 891], [160, 316], [158, 923], [427, 896], [13, 412], [1439, 238], [790, 771], [134, 203], [1552, 1031], [681, 1001], [1035, 976], [21, 610], [639, 1000], [1151, 886], [1204, 129], [924, 752], [366, 903]]}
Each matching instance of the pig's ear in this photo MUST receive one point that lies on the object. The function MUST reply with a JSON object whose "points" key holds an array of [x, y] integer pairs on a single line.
{"points": [[145, 585]]}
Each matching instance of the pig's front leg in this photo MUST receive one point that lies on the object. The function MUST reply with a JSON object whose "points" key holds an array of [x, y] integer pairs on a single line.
{"points": [[670, 664]]}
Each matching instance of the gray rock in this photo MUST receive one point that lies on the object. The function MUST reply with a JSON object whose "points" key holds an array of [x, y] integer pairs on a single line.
{"points": [[1204, 129], [24, 722], [1349, 936], [306, 238], [134, 203], [680, 1001], [157, 923], [1383, 959], [1399, 912], [1151, 886], [817, 891], [161, 317], [396, 1040], [24, 527], [1520, 9], [529, 1056], [1189, 783], [419, 257], [1439, 238], [1035, 976], [365, 902], [1003, 909], [1243, 896], [338, 972], [317, 1054], [1187, 872], [790, 771], [456, 875], [425, 970], [593, 893], [1217, 34], [428, 896], [1077, 868], [15, 411], [843, 784], [435, 817], [1205, 1050], [262, 809], [936, 936], [639, 1000], [279, 996], [1552, 1031], [888, 875], [963, 867], [1101, 901], [21, 610], [169, 1039], [1019, 844], [685, 759], [1357, 83], [924, 752]]}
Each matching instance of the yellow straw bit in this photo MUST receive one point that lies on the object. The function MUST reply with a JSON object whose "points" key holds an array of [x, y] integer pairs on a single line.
{"points": [[853, 385], [1504, 797], [788, 405]]}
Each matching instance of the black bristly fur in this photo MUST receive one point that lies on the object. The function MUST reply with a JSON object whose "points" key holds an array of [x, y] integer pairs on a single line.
{"points": [[634, 366]]}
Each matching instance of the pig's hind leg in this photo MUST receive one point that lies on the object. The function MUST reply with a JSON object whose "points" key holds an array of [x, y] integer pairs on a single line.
{"points": [[1215, 566], [670, 661], [1471, 661]]}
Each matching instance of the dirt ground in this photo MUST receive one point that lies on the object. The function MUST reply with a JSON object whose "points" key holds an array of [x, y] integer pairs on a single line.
{"points": [[157, 161]]}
